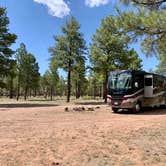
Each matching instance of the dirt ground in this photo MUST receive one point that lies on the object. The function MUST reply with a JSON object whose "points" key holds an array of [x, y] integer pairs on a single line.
{"points": [[47, 135]]}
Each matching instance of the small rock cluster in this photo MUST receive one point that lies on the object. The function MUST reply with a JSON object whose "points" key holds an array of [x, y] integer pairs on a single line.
{"points": [[79, 109]]}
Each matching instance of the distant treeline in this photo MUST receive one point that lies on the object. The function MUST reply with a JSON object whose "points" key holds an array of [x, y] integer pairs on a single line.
{"points": [[108, 51]]}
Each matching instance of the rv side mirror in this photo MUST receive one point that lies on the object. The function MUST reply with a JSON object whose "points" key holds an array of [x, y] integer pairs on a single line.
{"points": [[136, 84]]}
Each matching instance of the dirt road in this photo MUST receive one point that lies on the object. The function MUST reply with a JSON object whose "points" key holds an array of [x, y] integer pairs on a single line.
{"points": [[49, 136]]}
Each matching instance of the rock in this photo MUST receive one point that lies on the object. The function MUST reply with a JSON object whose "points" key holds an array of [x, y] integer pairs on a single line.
{"points": [[66, 109], [90, 109], [83, 108], [73, 137], [55, 163], [79, 109], [131, 148], [147, 151], [76, 109]]}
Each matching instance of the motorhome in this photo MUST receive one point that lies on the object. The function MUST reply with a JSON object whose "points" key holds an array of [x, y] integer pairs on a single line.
{"points": [[135, 89]]}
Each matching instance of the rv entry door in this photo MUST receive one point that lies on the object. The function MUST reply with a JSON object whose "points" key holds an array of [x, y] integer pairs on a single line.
{"points": [[148, 86]]}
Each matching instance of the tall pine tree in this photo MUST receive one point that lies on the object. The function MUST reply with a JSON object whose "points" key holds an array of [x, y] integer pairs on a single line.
{"points": [[27, 71], [6, 40], [67, 48], [109, 51]]}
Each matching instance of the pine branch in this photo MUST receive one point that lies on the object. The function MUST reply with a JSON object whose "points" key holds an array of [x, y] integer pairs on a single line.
{"points": [[149, 3]]}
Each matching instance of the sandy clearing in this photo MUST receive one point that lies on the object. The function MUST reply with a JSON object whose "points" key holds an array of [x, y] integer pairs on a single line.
{"points": [[50, 136]]}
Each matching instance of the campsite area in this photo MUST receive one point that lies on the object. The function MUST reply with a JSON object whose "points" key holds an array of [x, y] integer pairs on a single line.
{"points": [[56, 134], [61, 62]]}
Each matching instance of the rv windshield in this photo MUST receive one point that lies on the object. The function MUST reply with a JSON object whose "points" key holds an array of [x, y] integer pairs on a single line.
{"points": [[120, 80]]}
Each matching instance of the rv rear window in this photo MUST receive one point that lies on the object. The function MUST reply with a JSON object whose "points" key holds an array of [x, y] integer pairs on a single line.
{"points": [[148, 81]]}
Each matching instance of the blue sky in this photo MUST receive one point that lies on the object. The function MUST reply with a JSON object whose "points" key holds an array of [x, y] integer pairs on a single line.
{"points": [[36, 21]]}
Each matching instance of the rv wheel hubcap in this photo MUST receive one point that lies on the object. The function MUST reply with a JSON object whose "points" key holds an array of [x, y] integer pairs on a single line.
{"points": [[137, 107]]}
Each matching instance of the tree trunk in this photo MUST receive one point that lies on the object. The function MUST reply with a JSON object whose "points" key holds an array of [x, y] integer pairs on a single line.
{"points": [[18, 92], [45, 93], [35, 92], [69, 81], [100, 91], [94, 91], [76, 89], [18, 88], [79, 88], [11, 88], [26, 91], [105, 87], [51, 93]]}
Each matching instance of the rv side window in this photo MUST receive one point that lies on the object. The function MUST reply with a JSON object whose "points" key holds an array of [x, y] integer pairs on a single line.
{"points": [[138, 83], [148, 81]]}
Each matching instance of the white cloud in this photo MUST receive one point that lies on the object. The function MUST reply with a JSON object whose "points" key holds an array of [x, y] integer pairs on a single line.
{"points": [[56, 8], [96, 3]]}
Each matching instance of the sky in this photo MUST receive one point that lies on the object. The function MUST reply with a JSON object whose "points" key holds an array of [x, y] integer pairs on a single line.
{"points": [[36, 22]]}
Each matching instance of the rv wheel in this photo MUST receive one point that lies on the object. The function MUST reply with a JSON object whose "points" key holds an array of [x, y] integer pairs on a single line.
{"points": [[115, 110], [162, 106], [137, 108]]}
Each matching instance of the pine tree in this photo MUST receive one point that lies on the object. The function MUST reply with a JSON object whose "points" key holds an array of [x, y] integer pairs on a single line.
{"points": [[30, 73], [54, 78], [109, 50], [79, 76], [20, 54], [67, 48], [27, 71], [161, 67], [6, 40], [49, 83], [148, 23], [151, 4], [11, 76]]}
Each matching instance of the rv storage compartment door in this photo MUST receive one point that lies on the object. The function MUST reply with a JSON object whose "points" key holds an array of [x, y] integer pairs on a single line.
{"points": [[148, 86]]}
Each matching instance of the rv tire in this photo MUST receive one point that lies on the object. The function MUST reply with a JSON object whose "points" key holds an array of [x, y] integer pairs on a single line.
{"points": [[163, 106], [137, 108], [115, 110]]}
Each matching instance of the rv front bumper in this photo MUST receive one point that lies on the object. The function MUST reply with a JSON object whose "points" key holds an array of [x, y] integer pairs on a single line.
{"points": [[121, 103]]}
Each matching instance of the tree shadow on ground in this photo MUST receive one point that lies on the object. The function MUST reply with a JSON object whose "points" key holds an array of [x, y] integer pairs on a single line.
{"points": [[25, 105], [90, 103], [146, 111], [153, 111], [44, 100]]}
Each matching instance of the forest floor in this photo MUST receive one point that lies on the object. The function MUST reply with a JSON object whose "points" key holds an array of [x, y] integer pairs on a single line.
{"points": [[41, 134]]}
